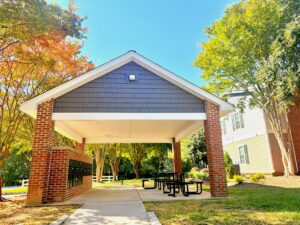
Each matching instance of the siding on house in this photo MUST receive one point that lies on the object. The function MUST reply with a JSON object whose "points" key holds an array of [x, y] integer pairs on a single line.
{"points": [[114, 92], [259, 161], [254, 134], [254, 124]]}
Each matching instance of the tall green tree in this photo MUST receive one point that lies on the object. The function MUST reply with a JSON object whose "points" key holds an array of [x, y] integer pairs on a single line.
{"points": [[100, 151], [40, 48], [156, 157], [197, 150], [16, 167], [137, 153], [255, 47], [229, 167], [115, 155]]}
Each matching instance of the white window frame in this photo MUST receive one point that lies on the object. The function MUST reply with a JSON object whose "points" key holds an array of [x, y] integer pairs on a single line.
{"points": [[223, 126], [237, 121], [245, 154]]}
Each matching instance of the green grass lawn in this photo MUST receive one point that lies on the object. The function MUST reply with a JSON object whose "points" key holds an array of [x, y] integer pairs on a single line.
{"points": [[15, 190], [133, 182], [266, 205]]}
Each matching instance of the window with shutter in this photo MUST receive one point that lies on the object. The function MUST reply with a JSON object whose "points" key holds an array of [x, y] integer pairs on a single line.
{"points": [[237, 121], [243, 153], [241, 120], [232, 121]]}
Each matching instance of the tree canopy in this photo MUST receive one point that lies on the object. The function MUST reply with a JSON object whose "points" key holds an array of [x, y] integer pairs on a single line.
{"points": [[40, 47], [254, 47], [197, 150]]}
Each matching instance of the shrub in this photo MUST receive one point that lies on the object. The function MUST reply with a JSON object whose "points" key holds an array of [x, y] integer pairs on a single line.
{"points": [[194, 169], [228, 166], [238, 179], [186, 165], [257, 178], [204, 170], [198, 175], [204, 176]]}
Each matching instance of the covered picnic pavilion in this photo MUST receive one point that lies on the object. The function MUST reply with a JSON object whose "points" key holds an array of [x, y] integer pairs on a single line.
{"points": [[129, 99]]}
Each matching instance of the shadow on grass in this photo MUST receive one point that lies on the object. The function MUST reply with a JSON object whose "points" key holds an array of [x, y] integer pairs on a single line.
{"points": [[246, 204]]}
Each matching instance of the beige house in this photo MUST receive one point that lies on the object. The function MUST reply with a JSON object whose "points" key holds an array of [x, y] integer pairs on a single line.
{"points": [[249, 140]]}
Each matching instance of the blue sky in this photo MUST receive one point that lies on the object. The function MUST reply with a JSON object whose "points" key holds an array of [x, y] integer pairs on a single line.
{"points": [[169, 32]]}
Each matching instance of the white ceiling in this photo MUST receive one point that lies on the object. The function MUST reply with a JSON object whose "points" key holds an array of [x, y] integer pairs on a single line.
{"points": [[123, 131]]}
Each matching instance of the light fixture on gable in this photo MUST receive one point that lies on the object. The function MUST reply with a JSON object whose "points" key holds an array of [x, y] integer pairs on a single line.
{"points": [[132, 77]]}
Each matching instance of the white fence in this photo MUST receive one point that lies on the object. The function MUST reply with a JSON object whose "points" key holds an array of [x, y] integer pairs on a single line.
{"points": [[25, 182], [104, 178]]}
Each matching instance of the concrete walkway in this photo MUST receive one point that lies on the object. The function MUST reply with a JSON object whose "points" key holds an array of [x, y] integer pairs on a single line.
{"points": [[108, 206], [119, 206]]}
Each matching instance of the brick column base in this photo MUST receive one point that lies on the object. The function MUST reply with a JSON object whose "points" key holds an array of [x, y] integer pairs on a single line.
{"points": [[215, 154], [177, 156]]}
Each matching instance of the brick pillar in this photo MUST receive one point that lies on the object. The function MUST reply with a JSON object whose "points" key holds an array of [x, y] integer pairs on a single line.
{"points": [[177, 156], [215, 154], [80, 146], [41, 150]]}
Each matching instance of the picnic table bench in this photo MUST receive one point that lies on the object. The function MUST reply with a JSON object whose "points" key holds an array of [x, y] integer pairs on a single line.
{"points": [[173, 183]]}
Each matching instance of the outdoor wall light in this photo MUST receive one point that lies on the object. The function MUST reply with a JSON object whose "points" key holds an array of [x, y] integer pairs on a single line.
{"points": [[132, 77]]}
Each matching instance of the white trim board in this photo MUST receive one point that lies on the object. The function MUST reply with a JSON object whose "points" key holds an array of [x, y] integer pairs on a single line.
{"points": [[127, 116], [30, 107], [127, 140]]}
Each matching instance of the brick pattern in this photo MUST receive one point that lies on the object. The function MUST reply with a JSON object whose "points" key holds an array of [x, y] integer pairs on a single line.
{"points": [[58, 175], [80, 146], [276, 155], [49, 166], [177, 156], [215, 155], [58, 190], [43, 140], [294, 120]]}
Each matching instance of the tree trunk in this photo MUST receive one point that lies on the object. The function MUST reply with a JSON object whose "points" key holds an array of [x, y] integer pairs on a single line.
{"points": [[1, 180], [137, 170], [278, 123], [114, 175], [290, 142], [99, 152], [115, 170], [114, 159], [284, 153], [99, 171]]}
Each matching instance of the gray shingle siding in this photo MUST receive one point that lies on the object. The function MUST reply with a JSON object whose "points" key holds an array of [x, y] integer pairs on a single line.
{"points": [[113, 92]]}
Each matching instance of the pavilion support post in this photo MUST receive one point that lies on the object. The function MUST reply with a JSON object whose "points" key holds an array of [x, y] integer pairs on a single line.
{"points": [[80, 146], [177, 156], [41, 153], [215, 154]]}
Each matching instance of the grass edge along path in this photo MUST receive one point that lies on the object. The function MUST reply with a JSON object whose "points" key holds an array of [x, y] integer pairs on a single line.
{"points": [[16, 212], [265, 205]]}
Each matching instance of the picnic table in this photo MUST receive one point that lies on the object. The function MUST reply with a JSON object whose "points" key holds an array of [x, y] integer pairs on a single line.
{"points": [[173, 183]]}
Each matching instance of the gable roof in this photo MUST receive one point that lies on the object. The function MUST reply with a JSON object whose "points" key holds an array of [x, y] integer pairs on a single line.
{"points": [[30, 106]]}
